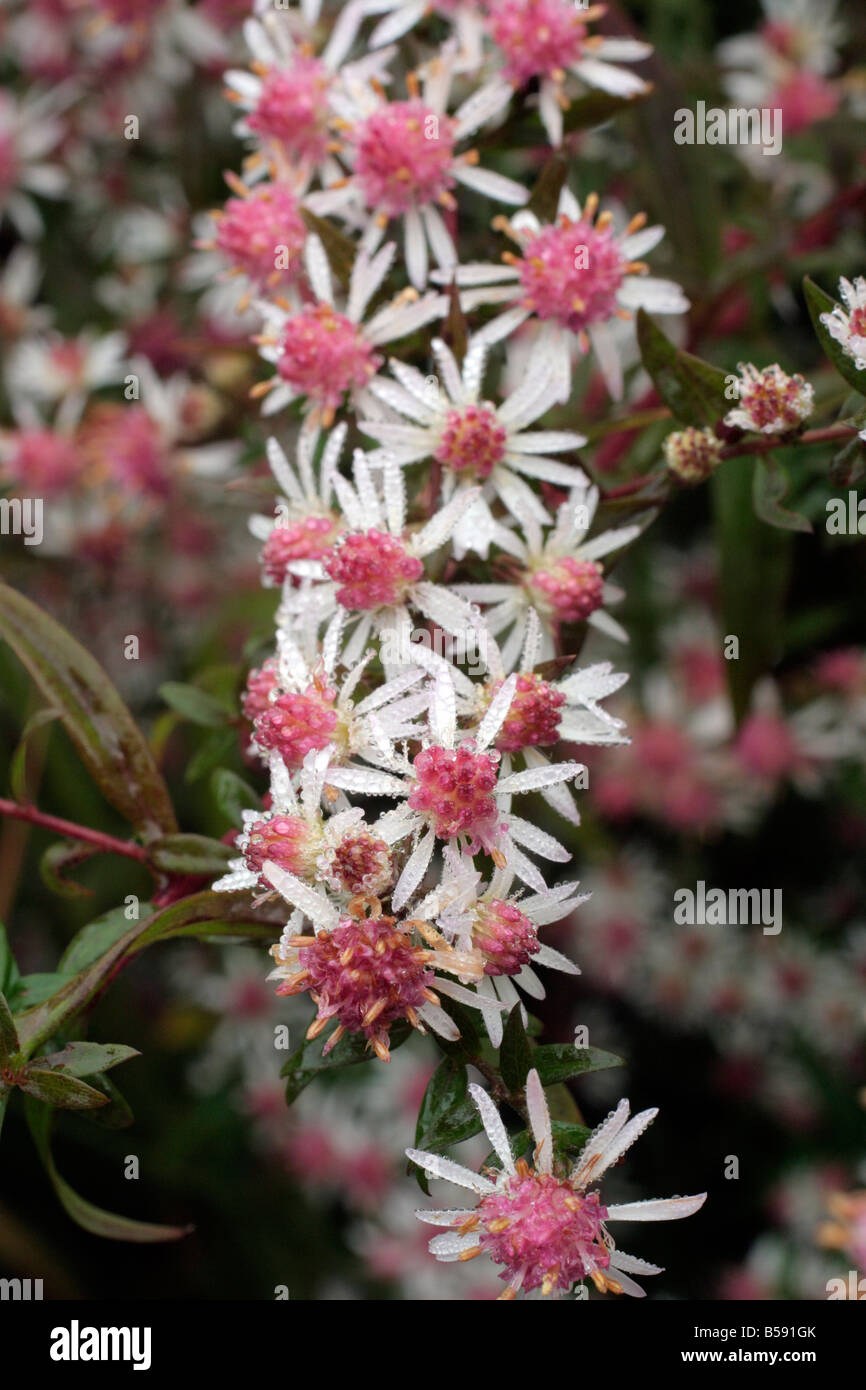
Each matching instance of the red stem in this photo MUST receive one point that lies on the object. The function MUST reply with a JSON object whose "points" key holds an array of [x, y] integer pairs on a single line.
{"points": [[76, 832]]}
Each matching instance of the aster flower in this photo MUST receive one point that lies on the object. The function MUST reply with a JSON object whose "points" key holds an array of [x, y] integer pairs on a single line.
{"points": [[545, 40], [849, 328], [305, 525], [30, 130], [375, 571], [576, 275], [474, 440], [454, 792], [405, 163], [287, 97], [339, 851], [770, 401], [543, 713], [323, 354], [257, 239], [558, 575], [693, 455], [503, 926], [540, 1222], [308, 710], [51, 369], [366, 971]]}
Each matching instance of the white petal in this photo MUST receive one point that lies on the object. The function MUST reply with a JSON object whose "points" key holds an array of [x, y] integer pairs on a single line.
{"points": [[495, 1129]]}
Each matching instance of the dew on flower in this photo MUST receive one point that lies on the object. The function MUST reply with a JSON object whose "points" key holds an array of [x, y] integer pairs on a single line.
{"points": [[372, 570], [472, 441], [454, 789], [569, 591]]}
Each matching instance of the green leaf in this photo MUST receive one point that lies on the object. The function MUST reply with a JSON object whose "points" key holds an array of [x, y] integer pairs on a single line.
{"points": [[338, 247], [33, 989], [818, 303], [100, 934], [112, 748], [469, 1043], [194, 704], [770, 485], [63, 854], [18, 762], [447, 1115], [597, 107], [190, 854], [693, 390], [568, 1140], [8, 1033], [215, 748], [560, 1061], [117, 1113], [200, 915], [454, 328], [82, 1212], [515, 1054], [544, 198], [8, 968], [233, 795], [88, 1058], [755, 572], [59, 1091], [308, 1061]]}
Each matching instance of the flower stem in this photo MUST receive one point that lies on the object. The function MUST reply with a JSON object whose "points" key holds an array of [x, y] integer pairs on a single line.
{"points": [[108, 843]]}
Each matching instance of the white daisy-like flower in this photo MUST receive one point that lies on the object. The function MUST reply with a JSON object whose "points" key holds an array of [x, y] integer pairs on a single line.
{"points": [[848, 326], [305, 523], [367, 972], [375, 573], [339, 851], [544, 1224], [453, 791], [308, 708], [545, 40], [326, 355], [770, 401], [503, 927], [30, 131], [558, 575], [405, 163], [796, 34], [286, 99], [577, 275], [475, 441], [543, 713], [52, 369]]}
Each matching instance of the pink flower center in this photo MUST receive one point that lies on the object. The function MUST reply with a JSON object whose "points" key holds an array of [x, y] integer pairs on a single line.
{"points": [[44, 463], [571, 272], [324, 355], [372, 570], [505, 936], [308, 539], [294, 723], [772, 399], [538, 37], [126, 444], [533, 717], [293, 108], [263, 234], [804, 99], [538, 1226], [404, 154], [360, 864], [260, 683], [857, 323], [287, 840], [472, 441], [366, 974], [454, 791], [570, 591]]}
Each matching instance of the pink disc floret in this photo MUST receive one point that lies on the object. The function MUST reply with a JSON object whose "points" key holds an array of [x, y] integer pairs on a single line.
{"points": [[372, 569], [311, 538], [293, 108], [542, 1231], [572, 272], [296, 722], [323, 355], [505, 936], [540, 38], [570, 591], [472, 441], [263, 235], [455, 791], [533, 716], [359, 863], [403, 156], [285, 840]]}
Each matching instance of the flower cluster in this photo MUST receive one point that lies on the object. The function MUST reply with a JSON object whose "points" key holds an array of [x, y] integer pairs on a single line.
{"points": [[488, 549]]}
